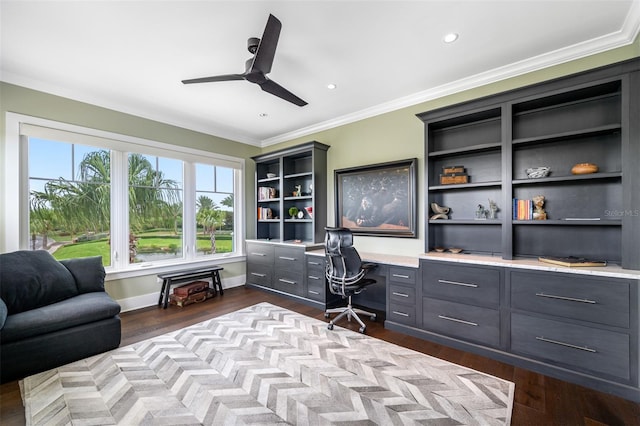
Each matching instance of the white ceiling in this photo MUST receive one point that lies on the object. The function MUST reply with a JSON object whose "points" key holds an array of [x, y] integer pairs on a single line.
{"points": [[383, 55]]}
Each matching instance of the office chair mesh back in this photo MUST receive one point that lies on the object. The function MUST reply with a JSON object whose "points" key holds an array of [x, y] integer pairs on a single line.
{"points": [[344, 269]]}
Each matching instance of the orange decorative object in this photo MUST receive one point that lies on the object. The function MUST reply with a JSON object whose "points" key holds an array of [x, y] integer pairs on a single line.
{"points": [[584, 168]]}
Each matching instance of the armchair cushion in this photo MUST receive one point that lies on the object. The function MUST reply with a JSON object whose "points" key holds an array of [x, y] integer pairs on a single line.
{"points": [[83, 309], [88, 272], [31, 279]]}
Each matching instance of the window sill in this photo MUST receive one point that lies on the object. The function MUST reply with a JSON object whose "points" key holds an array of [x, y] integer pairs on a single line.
{"points": [[154, 268]]}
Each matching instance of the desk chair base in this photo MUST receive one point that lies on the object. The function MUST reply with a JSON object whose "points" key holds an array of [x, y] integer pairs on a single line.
{"points": [[350, 312]]}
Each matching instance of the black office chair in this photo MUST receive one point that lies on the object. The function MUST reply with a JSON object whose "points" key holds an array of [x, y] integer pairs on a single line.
{"points": [[345, 274]]}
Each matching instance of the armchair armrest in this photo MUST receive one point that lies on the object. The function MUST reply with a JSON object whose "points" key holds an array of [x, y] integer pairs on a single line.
{"points": [[88, 273]]}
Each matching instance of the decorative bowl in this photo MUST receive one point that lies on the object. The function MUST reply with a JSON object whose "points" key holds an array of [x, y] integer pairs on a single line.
{"points": [[538, 172], [584, 168], [455, 250], [271, 175], [440, 249]]}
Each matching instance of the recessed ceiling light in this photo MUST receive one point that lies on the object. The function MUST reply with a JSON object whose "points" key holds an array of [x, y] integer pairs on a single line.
{"points": [[331, 86], [450, 38], [263, 114]]}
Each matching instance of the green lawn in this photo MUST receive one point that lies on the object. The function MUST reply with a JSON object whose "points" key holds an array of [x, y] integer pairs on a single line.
{"points": [[152, 242]]}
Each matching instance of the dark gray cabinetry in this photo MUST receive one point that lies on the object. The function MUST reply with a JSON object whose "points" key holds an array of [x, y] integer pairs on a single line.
{"points": [[260, 264], [462, 301], [293, 177], [402, 295], [576, 325], [289, 270], [578, 322], [585, 118]]}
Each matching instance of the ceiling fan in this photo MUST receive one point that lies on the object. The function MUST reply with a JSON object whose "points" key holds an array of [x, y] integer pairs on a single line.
{"points": [[257, 67]]}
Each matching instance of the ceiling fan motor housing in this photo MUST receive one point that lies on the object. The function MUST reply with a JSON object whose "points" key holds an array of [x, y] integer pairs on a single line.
{"points": [[252, 44]]}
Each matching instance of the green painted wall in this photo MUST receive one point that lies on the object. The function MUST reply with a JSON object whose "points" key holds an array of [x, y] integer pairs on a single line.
{"points": [[391, 136]]}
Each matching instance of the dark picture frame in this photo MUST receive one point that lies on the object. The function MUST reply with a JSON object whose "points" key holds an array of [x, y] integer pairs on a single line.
{"points": [[378, 199]]}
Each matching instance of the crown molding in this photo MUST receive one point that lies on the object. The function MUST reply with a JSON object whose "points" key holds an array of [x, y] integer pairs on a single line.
{"points": [[626, 36]]}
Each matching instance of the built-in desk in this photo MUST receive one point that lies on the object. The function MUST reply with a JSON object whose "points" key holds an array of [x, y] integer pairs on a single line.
{"points": [[391, 271]]}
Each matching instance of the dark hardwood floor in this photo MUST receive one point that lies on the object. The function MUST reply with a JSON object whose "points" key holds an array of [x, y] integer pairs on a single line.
{"points": [[539, 400]]}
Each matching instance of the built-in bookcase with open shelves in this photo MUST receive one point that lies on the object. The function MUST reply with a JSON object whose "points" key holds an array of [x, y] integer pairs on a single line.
{"points": [[586, 118], [293, 177]]}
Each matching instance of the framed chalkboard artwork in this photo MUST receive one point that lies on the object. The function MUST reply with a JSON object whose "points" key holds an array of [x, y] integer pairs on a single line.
{"points": [[378, 199]]}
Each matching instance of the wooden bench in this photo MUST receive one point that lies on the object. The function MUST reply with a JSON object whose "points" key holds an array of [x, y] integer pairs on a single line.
{"points": [[173, 278]]}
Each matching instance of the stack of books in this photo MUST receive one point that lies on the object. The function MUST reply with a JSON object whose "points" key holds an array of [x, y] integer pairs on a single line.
{"points": [[522, 209]]}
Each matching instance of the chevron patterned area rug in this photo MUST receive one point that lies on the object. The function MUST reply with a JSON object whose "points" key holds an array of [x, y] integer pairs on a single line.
{"points": [[265, 365]]}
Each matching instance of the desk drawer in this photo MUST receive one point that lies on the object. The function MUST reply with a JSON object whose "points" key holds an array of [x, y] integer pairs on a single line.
{"points": [[259, 274], [462, 321], [405, 276], [259, 253], [289, 258], [404, 314], [289, 282], [603, 301], [474, 285], [314, 262], [402, 294], [573, 346]]}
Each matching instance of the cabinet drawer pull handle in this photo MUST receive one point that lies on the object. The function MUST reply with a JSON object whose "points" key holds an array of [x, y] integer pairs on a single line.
{"points": [[314, 292], [444, 317], [457, 283], [400, 294], [569, 345], [287, 258], [402, 314], [406, 277], [570, 299], [313, 277], [314, 263], [258, 254], [287, 281], [258, 275]]}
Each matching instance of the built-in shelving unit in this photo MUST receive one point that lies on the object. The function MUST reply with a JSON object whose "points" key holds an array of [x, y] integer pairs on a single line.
{"points": [[587, 118], [293, 177]]}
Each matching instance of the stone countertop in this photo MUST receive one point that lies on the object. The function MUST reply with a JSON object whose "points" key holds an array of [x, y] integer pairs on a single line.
{"points": [[614, 271], [387, 259], [532, 264], [291, 243]]}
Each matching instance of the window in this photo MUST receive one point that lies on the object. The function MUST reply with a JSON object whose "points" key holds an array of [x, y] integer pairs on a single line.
{"points": [[137, 203]]}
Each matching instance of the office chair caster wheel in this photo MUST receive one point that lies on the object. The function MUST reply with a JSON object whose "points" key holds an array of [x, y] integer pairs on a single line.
{"points": [[373, 317], [326, 315], [362, 329], [330, 326]]}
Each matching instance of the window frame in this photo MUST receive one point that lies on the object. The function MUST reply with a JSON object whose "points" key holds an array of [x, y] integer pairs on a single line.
{"points": [[16, 191]]}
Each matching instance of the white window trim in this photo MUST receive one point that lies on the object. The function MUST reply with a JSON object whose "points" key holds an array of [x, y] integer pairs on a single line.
{"points": [[15, 182]]}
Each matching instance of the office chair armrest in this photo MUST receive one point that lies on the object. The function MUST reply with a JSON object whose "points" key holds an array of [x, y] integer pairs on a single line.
{"points": [[368, 266]]}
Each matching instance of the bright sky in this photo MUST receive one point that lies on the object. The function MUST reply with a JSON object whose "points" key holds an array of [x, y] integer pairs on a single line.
{"points": [[53, 160]]}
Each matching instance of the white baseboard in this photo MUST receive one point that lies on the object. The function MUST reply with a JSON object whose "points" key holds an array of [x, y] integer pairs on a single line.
{"points": [[151, 299]]}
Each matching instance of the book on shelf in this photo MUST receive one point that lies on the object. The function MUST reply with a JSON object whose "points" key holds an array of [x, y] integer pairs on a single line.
{"points": [[572, 261], [266, 193], [522, 209], [264, 213]]}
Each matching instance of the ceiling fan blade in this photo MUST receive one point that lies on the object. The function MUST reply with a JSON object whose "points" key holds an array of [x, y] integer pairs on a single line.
{"points": [[263, 58], [279, 91], [226, 77]]}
